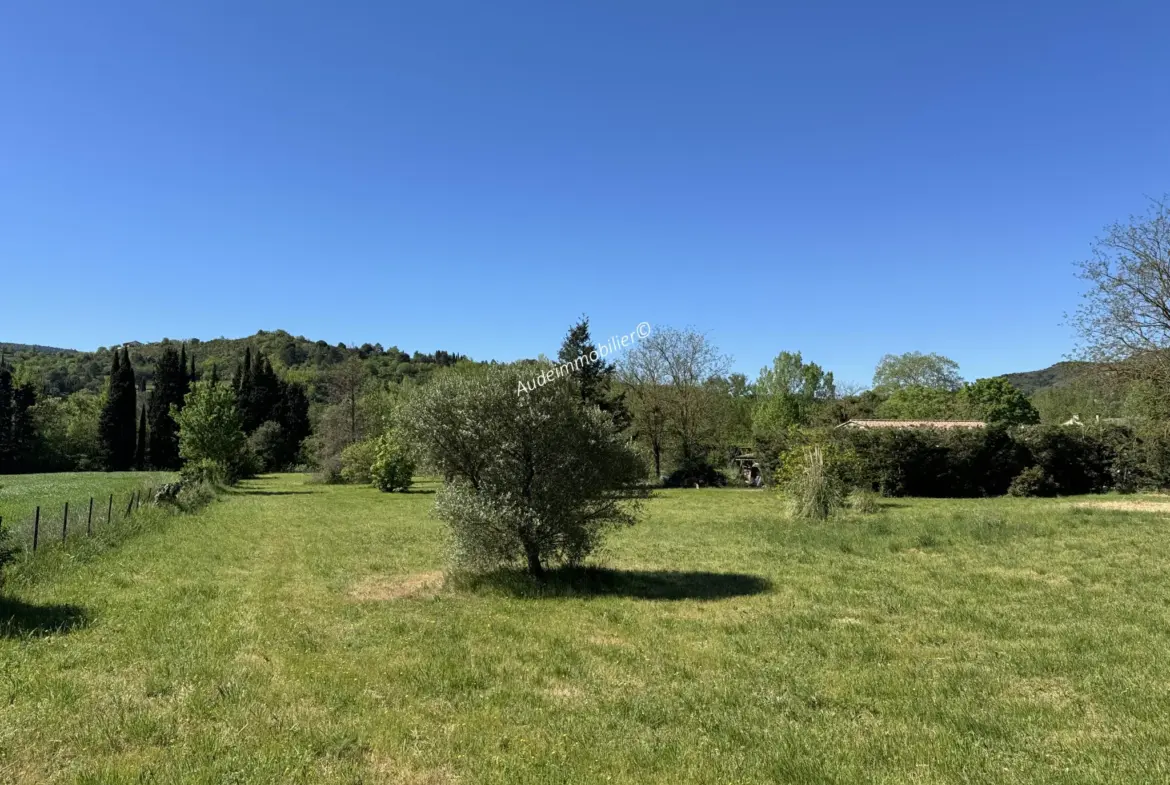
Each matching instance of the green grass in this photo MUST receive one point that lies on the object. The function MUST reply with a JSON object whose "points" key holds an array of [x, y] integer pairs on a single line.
{"points": [[297, 633], [21, 494]]}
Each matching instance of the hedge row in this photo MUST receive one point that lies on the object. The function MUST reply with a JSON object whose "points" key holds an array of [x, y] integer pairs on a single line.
{"points": [[984, 462]]}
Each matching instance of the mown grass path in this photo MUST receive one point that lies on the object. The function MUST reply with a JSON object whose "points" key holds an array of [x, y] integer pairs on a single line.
{"points": [[299, 633]]}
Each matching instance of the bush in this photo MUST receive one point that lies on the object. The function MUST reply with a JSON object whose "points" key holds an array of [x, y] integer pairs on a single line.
{"points": [[203, 472], [193, 496], [864, 501], [268, 444], [695, 472], [813, 486], [392, 470], [209, 430], [1031, 482], [356, 461], [985, 461]]}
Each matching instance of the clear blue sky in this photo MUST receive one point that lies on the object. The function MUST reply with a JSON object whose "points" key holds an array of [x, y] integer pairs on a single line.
{"points": [[842, 178]]}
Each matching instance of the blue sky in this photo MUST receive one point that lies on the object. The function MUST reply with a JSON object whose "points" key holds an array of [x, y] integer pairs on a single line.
{"points": [[842, 178]]}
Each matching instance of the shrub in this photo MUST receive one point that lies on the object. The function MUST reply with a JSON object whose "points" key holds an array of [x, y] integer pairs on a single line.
{"points": [[1031, 482], [209, 430], [695, 472], [202, 472], [356, 462], [864, 501], [813, 486], [268, 444], [1074, 460], [393, 469], [193, 496], [535, 478]]}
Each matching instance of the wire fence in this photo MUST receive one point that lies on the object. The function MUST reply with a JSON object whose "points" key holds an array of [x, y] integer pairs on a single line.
{"points": [[60, 522]]}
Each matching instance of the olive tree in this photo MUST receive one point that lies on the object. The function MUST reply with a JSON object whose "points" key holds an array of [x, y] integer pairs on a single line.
{"points": [[534, 478]]}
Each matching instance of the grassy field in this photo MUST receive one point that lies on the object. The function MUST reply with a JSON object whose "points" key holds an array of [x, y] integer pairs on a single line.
{"points": [[301, 633], [21, 494]]}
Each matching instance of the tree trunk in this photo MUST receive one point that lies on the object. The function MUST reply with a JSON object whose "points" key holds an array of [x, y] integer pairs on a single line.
{"points": [[657, 460], [532, 552]]}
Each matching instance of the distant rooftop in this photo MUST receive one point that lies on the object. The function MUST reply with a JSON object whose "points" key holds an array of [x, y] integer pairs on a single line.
{"points": [[913, 424]]}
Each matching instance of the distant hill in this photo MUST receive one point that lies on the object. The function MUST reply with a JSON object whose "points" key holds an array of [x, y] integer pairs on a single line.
{"points": [[1059, 375], [65, 371], [32, 348]]}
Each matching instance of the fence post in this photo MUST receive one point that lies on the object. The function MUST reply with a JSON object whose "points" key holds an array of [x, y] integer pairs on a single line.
{"points": [[65, 522], [89, 520], [129, 506], [110, 510], [36, 529]]}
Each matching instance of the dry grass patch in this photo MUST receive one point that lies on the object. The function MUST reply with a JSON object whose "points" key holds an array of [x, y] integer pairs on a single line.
{"points": [[388, 771], [1128, 506], [401, 587]]}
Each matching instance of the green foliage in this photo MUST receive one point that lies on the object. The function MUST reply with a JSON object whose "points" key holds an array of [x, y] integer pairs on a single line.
{"points": [[984, 461], [393, 468], [1031, 481], [695, 473], [357, 460], [788, 393], [592, 376], [170, 385], [812, 485], [140, 460], [267, 444], [203, 471], [210, 430], [535, 478], [924, 403], [915, 369], [864, 501], [6, 445], [997, 402], [116, 424]]}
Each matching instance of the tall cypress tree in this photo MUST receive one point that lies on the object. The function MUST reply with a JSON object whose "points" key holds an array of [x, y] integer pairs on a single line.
{"points": [[170, 384], [140, 448], [108, 419], [24, 429], [6, 449], [128, 416], [116, 424]]}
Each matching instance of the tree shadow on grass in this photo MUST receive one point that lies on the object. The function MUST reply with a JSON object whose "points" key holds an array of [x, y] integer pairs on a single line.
{"points": [[250, 492], [21, 619], [586, 582]]}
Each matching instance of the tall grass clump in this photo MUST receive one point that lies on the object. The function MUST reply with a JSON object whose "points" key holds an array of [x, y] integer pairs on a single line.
{"points": [[864, 501], [813, 487]]}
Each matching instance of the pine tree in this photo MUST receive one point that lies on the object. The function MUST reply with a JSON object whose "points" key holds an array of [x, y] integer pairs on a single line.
{"points": [[592, 375], [140, 460], [214, 375], [6, 448]]}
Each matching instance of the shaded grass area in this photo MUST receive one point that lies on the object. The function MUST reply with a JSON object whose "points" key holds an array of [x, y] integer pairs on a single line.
{"points": [[939, 641]]}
